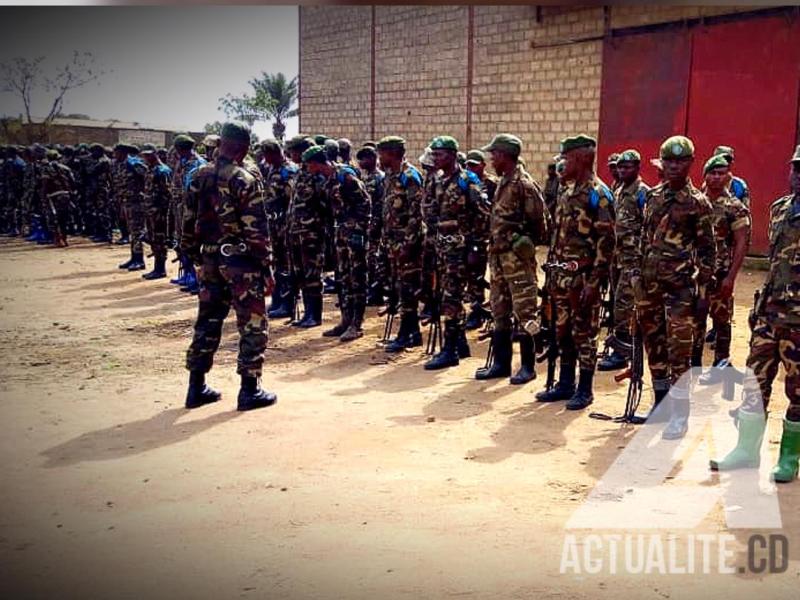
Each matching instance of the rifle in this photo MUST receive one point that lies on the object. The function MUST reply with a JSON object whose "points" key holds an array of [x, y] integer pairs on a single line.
{"points": [[390, 311], [487, 334], [434, 322], [607, 320], [546, 341]]}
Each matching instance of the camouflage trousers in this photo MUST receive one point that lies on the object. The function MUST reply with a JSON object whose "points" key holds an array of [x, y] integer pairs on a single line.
{"points": [[156, 223], [721, 312], [513, 292], [280, 250], [477, 261], [666, 318], [770, 345], [452, 272], [377, 266], [405, 261], [577, 326], [238, 283], [134, 215], [429, 270], [624, 304], [99, 207], [175, 217], [351, 268], [58, 213], [307, 256]]}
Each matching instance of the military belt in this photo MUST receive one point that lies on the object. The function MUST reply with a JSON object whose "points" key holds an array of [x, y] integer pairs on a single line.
{"points": [[571, 266], [454, 238], [227, 249]]}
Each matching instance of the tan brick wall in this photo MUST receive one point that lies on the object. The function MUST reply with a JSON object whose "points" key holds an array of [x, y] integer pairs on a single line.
{"points": [[536, 77]]}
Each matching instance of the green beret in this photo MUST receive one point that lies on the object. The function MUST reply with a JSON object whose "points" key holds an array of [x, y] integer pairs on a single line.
{"points": [[331, 145], [476, 156], [183, 142], [270, 146], [796, 157], [444, 142], [344, 143], [715, 162], [725, 151], [365, 152], [236, 131], [577, 141], [630, 155], [299, 142], [392, 142], [677, 146], [93, 148], [613, 158], [505, 142], [52, 155], [315, 154], [319, 139], [147, 149]]}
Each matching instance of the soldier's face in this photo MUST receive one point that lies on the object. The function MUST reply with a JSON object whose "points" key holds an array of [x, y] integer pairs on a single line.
{"points": [[677, 169], [794, 178], [443, 159], [717, 178], [614, 168], [628, 171], [367, 163]]}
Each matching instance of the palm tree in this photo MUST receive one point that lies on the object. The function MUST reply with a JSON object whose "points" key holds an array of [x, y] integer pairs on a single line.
{"points": [[274, 98]]}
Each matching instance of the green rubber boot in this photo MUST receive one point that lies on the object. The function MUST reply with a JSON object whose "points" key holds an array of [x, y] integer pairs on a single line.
{"points": [[786, 469], [746, 454]]}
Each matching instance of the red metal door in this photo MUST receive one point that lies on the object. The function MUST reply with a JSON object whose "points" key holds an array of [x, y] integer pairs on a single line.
{"points": [[743, 93], [643, 95]]}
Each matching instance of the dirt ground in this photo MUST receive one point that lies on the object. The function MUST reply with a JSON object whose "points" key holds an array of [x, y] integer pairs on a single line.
{"points": [[370, 478]]}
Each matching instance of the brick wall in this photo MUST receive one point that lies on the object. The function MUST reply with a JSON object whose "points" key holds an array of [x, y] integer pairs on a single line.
{"points": [[536, 73]]}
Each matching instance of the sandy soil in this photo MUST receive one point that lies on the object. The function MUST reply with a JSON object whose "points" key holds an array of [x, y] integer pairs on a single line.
{"points": [[369, 479]]}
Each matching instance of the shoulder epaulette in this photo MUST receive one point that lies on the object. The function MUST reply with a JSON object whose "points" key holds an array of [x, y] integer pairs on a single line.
{"points": [[410, 173], [596, 191], [287, 171], [345, 170], [641, 197], [738, 188]]}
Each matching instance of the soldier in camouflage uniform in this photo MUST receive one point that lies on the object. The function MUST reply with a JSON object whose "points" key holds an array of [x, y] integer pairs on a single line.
{"points": [[678, 253], [350, 206], [429, 219], [478, 242], [551, 186], [133, 203], [737, 187], [157, 196], [460, 207], [13, 173], [402, 236], [519, 221], [306, 225], [118, 193], [32, 198], [225, 233], [581, 251], [279, 176], [377, 261], [629, 201], [57, 187], [731, 220], [97, 181], [775, 325], [187, 160]]}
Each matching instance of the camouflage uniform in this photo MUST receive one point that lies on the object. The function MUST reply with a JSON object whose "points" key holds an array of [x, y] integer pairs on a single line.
{"points": [[477, 245], [31, 203], [133, 201], [97, 180], [738, 188], [278, 189], [157, 198], [225, 205], [180, 184], [430, 217], [629, 206], [551, 194], [117, 203], [13, 173], [729, 214], [377, 263], [581, 251], [57, 186]]}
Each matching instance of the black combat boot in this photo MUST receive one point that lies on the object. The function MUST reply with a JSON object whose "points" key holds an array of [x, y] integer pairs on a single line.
{"points": [[127, 263], [276, 298], [613, 362], [475, 318], [354, 330], [408, 336], [199, 394], [283, 304], [527, 367], [463, 344], [159, 270], [583, 396], [313, 317], [448, 356], [501, 357], [251, 395], [562, 390], [375, 295], [137, 263], [344, 323]]}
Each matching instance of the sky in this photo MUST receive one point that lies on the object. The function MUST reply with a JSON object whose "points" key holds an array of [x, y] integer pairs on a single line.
{"points": [[166, 66]]}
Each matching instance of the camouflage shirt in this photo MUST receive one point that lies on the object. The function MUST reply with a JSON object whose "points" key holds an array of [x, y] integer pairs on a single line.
{"points": [[373, 182], [482, 221], [402, 215], [278, 186], [428, 206], [135, 173], [98, 178], [13, 176], [629, 205], [738, 188], [308, 207], [781, 293], [518, 208], [460, 203], [118, 179], [157, 188], [583, 231], [225, 204], [729, 214], [678, 235], [56, 179], [349, 200], [182, 173]]}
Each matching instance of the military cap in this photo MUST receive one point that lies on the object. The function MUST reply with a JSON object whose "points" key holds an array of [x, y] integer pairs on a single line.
{"points": [[505, 142], [796, 157], [183, 142], [677, 146], [211, 141], [236, 131], [715, 162], [331, 144], [577, 141], [391, 142], [344, 143], [83, 146], [315, 154], [370, 143], [299, 142], [629, 155], [147, 149], [319, 139], [613, 158], [270, 146], [366, 151], [38, 150], [426, 159], [52, 154], [725, 151], [476, 156], [444, 142]]}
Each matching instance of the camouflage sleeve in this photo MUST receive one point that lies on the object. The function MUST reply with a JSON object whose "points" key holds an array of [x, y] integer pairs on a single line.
{"points": [[741, 216], [188, 243], [604, 237], [414, 224], [473, 219], [705, 244], [376, 213], [537, 218], [248, 193]]}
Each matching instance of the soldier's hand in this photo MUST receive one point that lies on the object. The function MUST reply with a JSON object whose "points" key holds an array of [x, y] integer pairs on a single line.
{"points": [[523, 247]]}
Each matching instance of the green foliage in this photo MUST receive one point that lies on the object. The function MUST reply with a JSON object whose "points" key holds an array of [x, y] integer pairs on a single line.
{"points": [[273, 99]]}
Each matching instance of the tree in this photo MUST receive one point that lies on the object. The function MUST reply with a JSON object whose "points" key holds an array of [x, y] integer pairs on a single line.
{"points": [[273, 99], [213, 128], [25, 77]]}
